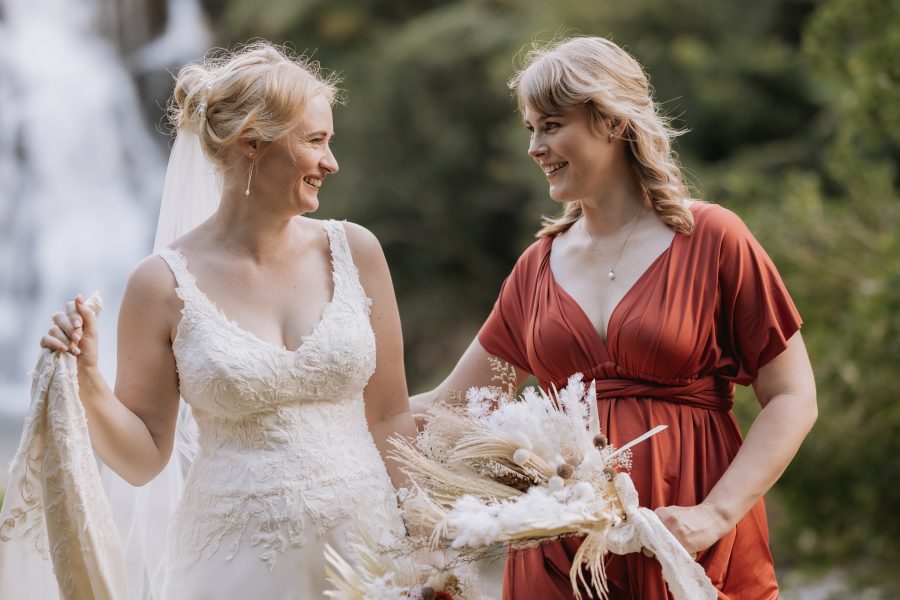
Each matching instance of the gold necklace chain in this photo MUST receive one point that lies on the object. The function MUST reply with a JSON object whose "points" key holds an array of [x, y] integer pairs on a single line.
{"points": [[611, 274]]}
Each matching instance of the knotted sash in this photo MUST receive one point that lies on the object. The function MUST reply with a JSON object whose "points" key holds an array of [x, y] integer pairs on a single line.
{"points": [[710, 392]]}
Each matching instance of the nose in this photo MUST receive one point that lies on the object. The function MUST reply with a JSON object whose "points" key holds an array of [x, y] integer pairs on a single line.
{"points": [[536, 147], [329, 162]]}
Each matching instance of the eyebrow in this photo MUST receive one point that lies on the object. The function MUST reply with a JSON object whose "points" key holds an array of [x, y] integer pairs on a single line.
{"points": [[543, 117], [317, 133]]}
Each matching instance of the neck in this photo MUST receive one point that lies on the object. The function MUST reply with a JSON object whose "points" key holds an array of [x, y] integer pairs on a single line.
{"points": [[614, 208], [248, 226]]}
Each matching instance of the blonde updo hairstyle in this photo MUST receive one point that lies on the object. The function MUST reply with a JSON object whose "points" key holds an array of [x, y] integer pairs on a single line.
{"points": [[596, 72], [255, 92]]}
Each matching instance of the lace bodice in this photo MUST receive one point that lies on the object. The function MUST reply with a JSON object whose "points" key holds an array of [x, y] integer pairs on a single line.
{"points": [[284, 448]]}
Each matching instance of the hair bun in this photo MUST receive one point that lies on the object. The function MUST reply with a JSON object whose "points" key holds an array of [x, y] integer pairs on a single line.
{"points": [[255, 91]]}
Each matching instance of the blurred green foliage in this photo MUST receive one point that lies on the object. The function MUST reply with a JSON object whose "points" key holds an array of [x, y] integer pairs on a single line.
{"points": [[793, 108]]}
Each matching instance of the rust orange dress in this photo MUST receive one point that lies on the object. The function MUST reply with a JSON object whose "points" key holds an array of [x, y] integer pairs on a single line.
{"points": [[706, 314]]}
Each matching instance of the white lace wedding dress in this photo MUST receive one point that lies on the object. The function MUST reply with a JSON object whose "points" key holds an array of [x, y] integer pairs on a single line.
{"points": [[285, 461]]}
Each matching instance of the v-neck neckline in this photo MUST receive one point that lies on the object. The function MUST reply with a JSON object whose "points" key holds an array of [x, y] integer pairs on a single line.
{"points": [[604, 342], [249, 334]]}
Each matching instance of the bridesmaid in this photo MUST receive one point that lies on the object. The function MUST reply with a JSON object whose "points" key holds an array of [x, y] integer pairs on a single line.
{"points": [[667, 303]]}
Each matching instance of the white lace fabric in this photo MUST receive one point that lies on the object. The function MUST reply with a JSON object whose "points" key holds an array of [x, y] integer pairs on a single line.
{"points": [[285, 453], [57, 536]]}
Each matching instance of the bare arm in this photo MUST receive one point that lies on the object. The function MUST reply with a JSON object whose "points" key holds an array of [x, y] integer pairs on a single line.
{"points": [[472, 370], [786, 389], [133, 428], [386, 394]]}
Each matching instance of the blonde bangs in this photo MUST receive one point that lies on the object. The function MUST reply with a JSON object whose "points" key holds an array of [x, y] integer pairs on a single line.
{"points": [[543, 86]]}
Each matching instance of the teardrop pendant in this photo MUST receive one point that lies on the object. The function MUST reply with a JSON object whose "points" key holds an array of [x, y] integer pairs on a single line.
{"points": [[611, 274]]}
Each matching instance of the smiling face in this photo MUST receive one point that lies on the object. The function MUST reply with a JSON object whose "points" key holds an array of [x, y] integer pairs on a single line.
{"points": [[294, 168], [576, 158]]}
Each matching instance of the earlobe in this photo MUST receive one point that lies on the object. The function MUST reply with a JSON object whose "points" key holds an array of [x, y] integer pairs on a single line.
{"points": [[248, 147], [615, 127]]}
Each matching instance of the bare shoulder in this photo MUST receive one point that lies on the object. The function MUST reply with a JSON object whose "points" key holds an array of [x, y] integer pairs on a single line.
{"points": [[364, 246], [360, 238], [365, 249], [152, 285]]}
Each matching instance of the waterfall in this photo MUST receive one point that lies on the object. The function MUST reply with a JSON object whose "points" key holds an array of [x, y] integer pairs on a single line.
{"points": [[81, 168]]}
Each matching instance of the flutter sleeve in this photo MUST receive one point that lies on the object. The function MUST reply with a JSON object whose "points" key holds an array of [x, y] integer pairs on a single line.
{"points": [[503, 333], [756, 314]]}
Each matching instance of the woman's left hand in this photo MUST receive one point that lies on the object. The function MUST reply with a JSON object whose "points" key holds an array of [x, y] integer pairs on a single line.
{"points": [[696, 527]]}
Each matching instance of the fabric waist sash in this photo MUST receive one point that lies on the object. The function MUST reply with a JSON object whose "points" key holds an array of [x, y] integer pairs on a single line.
{"points": [[709, 392]]}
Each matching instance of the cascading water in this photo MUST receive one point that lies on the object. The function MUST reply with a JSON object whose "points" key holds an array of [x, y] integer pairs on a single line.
{"points": [[80, 175]]}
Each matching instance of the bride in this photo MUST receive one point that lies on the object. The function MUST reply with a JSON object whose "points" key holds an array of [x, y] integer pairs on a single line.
{"points": [[280, 332]]}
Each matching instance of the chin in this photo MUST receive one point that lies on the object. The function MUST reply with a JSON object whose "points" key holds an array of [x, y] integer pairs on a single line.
{"points": [[308, 205], [560, 196]]}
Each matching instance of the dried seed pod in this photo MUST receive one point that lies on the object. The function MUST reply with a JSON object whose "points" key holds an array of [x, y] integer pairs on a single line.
{"points": [[556, 483], [428, 593], [574, 460], [521, 456], [565, 470], [610, 472], [600, 441], [452, 584]]}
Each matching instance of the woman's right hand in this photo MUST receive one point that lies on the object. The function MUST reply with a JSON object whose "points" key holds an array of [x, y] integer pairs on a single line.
{"points": [[418, 405], [74, 331]]}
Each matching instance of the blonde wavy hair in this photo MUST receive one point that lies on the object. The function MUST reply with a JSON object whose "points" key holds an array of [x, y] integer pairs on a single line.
{"points": [[257, 91], [596, 72]]}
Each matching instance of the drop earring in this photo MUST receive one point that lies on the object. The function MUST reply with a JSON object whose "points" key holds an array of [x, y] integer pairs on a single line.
{"points": [[249, 178]]}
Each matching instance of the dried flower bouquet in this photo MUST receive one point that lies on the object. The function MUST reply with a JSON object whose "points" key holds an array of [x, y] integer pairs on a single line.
{"points": [[501, 469]]}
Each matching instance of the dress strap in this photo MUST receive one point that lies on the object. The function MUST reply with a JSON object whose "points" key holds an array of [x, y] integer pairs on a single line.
{"points": [[346, 275], [187, 288]]}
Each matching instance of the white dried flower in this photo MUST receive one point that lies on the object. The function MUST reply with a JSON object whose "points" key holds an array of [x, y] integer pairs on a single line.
{"points": [[556, 483], [521, 456]]}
